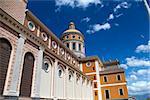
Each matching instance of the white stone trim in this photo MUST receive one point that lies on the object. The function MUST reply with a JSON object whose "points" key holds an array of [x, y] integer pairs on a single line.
{"points": [[98, 80], [92, 73], [16, 68], [114, 84], [36, 93]]}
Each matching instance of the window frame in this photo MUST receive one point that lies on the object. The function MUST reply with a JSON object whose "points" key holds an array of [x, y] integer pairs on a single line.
{"points": [[117, 77], [104, 79], [108, 93], [122, 91], [73, 45]]}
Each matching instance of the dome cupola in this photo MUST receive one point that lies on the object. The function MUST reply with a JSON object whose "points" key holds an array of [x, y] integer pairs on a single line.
{"points": [[74, 40]]}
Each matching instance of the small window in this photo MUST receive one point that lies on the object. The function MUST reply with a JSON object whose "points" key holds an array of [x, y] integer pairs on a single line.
{"points": [[95, 93], [70, 77], [46, 67], [79, 47], [121, 91], [73, 36], [105, 79], [94, 77], [67, 44], [79, 37], [67, 36], [60, 72], [118, 77], [93, 68], [107, 94], [95, 85], [74, 46], [31, 26], [88, 64]]}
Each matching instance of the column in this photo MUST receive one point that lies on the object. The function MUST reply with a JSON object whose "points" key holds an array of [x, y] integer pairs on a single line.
{"points": [[77, 46], [17, 65], [55, 80], [39, 63], [70, 45], [74, 85], [53, 77], [98, 80], [66, 83]]}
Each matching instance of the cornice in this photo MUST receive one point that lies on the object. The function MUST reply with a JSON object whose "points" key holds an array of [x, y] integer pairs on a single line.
{"points": [[19, 28]]}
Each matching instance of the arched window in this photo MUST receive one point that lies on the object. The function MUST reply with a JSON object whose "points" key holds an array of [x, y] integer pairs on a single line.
{"points": [[74, 46], [5, 52], [46, 65], [70, 76], [67, 44], [27, 72], [60, 71], [79, 46]]}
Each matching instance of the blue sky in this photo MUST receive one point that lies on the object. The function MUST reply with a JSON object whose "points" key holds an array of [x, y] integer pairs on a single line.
{"points": [[113, 29]]}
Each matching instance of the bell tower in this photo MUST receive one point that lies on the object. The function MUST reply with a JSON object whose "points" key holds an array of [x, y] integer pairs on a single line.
{"points": [[74, 40]]}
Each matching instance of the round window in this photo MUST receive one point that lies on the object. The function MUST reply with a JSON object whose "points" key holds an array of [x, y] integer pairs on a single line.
{"points": [[70, 77], [79, 37], [88, 64], [44, 36], [74, 62], [54, 44], [73, 36], [60, 72], [68, 57], [46, 66], [31, 26], [62, 51], [67, 36]]}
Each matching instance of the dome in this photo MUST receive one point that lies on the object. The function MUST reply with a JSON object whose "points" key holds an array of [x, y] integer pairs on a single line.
{"points": [[72, 30]]}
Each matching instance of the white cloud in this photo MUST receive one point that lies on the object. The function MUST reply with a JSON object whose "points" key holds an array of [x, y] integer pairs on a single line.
{"points": [[98, 27], [124, 66], [76, 3], [139, 88], [143, 48], [121, 5], [111, 16], [119, 15], [86, 19], [133, 77], [116, 24], [135, 62]]}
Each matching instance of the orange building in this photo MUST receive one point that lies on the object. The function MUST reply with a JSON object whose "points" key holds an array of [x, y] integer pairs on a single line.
{"points": [[109, 82], [35, 64]]}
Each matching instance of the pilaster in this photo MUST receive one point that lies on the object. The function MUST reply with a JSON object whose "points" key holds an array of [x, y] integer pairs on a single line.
{"points": [[39, 63], [16, 68]]}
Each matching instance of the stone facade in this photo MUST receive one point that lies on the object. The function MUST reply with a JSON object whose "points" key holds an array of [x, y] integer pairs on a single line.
{"points": [[44, 63]]}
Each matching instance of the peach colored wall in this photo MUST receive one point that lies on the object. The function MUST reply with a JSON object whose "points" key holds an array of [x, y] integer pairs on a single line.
{"points": [[89, 69], [112, 78], [114, 92]]}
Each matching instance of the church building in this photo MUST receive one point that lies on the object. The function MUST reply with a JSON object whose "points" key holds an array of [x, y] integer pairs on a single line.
{"points": [[37, 65]]}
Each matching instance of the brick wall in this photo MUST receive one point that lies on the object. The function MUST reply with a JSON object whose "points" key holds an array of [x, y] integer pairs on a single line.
{"points": [[15, 8]]}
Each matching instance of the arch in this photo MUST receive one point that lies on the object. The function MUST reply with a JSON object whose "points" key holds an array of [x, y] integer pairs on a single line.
{"points": [[5, 52], [60, 70], [47, 64], [27, 72]]}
